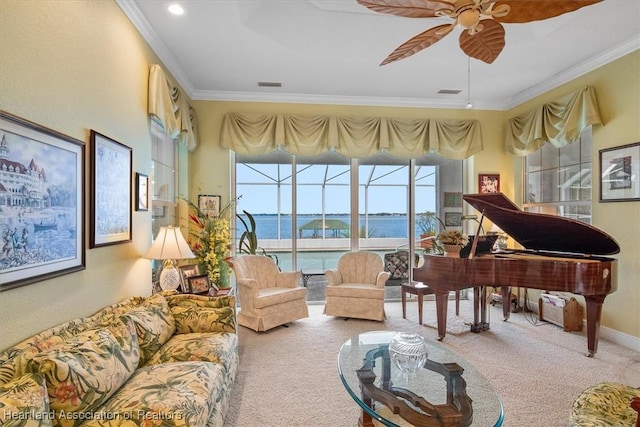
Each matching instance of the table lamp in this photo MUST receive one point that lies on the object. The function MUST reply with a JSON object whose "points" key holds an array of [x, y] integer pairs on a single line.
{"points": [[169, 246]]}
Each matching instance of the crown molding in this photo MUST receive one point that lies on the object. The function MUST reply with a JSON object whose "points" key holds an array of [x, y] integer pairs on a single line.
{"points": [[573, 73], [136, 17]]}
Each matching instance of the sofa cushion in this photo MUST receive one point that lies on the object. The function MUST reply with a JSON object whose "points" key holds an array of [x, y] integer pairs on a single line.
{"points": [[176, 394], [154, 325], [604, 405], [24, 402], [355, 290], [84, 371], [192, 315], [218, 347]]}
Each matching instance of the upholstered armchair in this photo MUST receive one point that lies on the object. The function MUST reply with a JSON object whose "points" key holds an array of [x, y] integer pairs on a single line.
{"points": [[268, 297], [356, 287]]}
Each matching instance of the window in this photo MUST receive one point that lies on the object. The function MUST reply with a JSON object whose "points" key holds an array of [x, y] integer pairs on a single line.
{"points": [[163, 178], [558, 180], [310, 210]]}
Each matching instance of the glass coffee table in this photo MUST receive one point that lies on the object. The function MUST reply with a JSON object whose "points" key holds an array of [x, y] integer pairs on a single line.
{"points": [[447, 392]]}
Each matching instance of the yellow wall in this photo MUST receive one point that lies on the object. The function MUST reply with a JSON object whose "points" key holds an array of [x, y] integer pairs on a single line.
{"points": [[618, 89], [72, 67], [76, 66]]}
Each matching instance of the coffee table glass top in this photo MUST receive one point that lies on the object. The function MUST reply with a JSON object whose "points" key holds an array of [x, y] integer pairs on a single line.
{"points": [[486, 404]]}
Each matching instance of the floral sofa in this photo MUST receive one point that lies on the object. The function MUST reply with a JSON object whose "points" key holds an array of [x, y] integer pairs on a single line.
{"points": [[165, 360]]}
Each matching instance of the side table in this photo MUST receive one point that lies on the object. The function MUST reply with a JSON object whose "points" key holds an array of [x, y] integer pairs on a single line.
{"points": [[415, 288]]}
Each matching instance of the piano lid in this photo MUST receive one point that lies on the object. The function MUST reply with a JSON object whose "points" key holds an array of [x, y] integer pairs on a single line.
{"points": [[542, 232]]}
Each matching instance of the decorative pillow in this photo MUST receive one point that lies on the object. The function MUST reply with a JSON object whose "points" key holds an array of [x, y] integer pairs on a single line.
{"points": [[191, 318], [154, 325], [84, 371], [24, 402]]}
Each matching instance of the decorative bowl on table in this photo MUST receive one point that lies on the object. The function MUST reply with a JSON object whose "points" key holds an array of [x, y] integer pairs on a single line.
{"points": [[408, 351]]}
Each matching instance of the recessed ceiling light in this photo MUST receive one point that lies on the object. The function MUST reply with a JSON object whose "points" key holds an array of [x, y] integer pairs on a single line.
{"points": [[176, 9]]}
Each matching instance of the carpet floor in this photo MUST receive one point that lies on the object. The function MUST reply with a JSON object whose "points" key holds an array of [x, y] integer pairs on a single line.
{"points": [[288, 376]]}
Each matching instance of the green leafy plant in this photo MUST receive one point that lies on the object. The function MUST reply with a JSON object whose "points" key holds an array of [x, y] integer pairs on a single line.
{"points": [[452, 237], [248, 239]]}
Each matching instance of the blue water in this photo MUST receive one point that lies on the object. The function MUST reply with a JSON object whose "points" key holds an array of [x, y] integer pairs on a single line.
{"points": [[389, 226]]}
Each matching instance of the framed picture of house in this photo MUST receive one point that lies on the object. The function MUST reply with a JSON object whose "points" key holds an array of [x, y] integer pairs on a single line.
{"points": [[111, 173], [619, 173], [209, 205], [41, 203], [488, 183], [199, 284]]}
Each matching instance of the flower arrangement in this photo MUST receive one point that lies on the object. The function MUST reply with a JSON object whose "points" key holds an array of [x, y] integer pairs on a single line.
{"points": [[453, 237], [210, 241]]}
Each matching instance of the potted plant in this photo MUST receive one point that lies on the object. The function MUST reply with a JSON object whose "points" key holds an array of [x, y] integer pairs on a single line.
{"points": [[452, 242], [427, 223], [248, 243]]}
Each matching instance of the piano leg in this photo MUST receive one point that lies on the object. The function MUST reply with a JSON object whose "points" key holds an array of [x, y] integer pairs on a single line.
{"points": [[594, 312], [442, 299], [506, 302]]}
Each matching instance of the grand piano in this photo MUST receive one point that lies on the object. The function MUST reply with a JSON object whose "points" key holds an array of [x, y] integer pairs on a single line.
{"points": [[560, 254]]}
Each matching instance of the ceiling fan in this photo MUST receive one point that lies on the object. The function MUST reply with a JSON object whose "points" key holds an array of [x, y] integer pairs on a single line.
{"points": [[481, 20]]}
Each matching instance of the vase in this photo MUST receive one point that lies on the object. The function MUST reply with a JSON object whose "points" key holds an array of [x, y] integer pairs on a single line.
{"points": [[408, 351], [452, 251]]}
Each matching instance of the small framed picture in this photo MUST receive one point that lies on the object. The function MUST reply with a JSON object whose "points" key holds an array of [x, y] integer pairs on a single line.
{"points": [[619, 171], [488, 183], [187, 271], [142, 192], [209, 205], [198, 284], [452, 219]]}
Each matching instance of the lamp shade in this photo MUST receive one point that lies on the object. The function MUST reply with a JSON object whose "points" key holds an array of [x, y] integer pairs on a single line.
{"points": [[169, 244]]}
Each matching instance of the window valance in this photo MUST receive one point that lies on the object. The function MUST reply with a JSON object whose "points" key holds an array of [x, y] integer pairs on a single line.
{"points": [[357, 137], [559, 122], [170, 107]]}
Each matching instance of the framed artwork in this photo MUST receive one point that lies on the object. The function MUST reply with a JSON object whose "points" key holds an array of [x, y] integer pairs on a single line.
{"points": [[619, 169], [453, 219], [488, 183], [187, 271], [452, 200], [209, 205], [198, 284], [142, 192], [41, 203], [110, 191]]}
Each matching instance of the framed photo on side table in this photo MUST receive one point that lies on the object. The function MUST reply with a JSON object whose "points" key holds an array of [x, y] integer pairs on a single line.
{"points": [[619, 169], [110, 191], [41, 237], [187, 271], [199, 284]]}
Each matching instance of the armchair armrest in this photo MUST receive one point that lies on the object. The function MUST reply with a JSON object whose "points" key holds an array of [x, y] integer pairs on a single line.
{"points": [[333, 277], [382, 278], [288, 279]]}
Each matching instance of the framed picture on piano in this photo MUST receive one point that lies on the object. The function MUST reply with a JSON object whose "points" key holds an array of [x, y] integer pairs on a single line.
{"points": [[619, 173]]}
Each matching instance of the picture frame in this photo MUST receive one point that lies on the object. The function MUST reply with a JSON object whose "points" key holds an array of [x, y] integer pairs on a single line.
{"points": [[209, 204], [111, 172], [199, 284], [619, 169], [488, 183], [187, 271], [142, 192], [40, 237], [452, 199], [453, 219]]}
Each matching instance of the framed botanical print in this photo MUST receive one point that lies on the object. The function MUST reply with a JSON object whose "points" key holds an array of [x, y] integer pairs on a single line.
{"points": [[619, 173], [41, 203], [142, 192], [488, 183], [198, 284], [209, 205], [111, 173]]}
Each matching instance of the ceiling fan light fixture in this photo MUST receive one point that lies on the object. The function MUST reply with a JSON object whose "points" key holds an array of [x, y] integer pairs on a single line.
{"points": [[469, 18]]}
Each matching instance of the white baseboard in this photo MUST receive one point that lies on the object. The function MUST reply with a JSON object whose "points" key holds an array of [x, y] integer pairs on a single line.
{"points": [[609, 334]]}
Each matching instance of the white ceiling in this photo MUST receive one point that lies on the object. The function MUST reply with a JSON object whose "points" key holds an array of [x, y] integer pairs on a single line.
{"points": [[329, 51]]}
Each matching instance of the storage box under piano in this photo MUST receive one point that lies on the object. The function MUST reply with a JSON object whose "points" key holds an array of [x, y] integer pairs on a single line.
{"points": [[559, 311]]}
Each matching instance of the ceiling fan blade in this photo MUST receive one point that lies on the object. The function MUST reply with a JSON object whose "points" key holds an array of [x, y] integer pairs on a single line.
{"points": [[408, 8], [537, 10], [419, 42], [486, 44]]}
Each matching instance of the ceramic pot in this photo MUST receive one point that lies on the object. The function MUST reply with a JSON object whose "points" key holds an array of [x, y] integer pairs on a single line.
{"points": [[452, 251]]}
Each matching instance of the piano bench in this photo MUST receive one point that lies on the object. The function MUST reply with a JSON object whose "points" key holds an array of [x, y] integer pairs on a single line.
{"points": [[605, 404]]}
